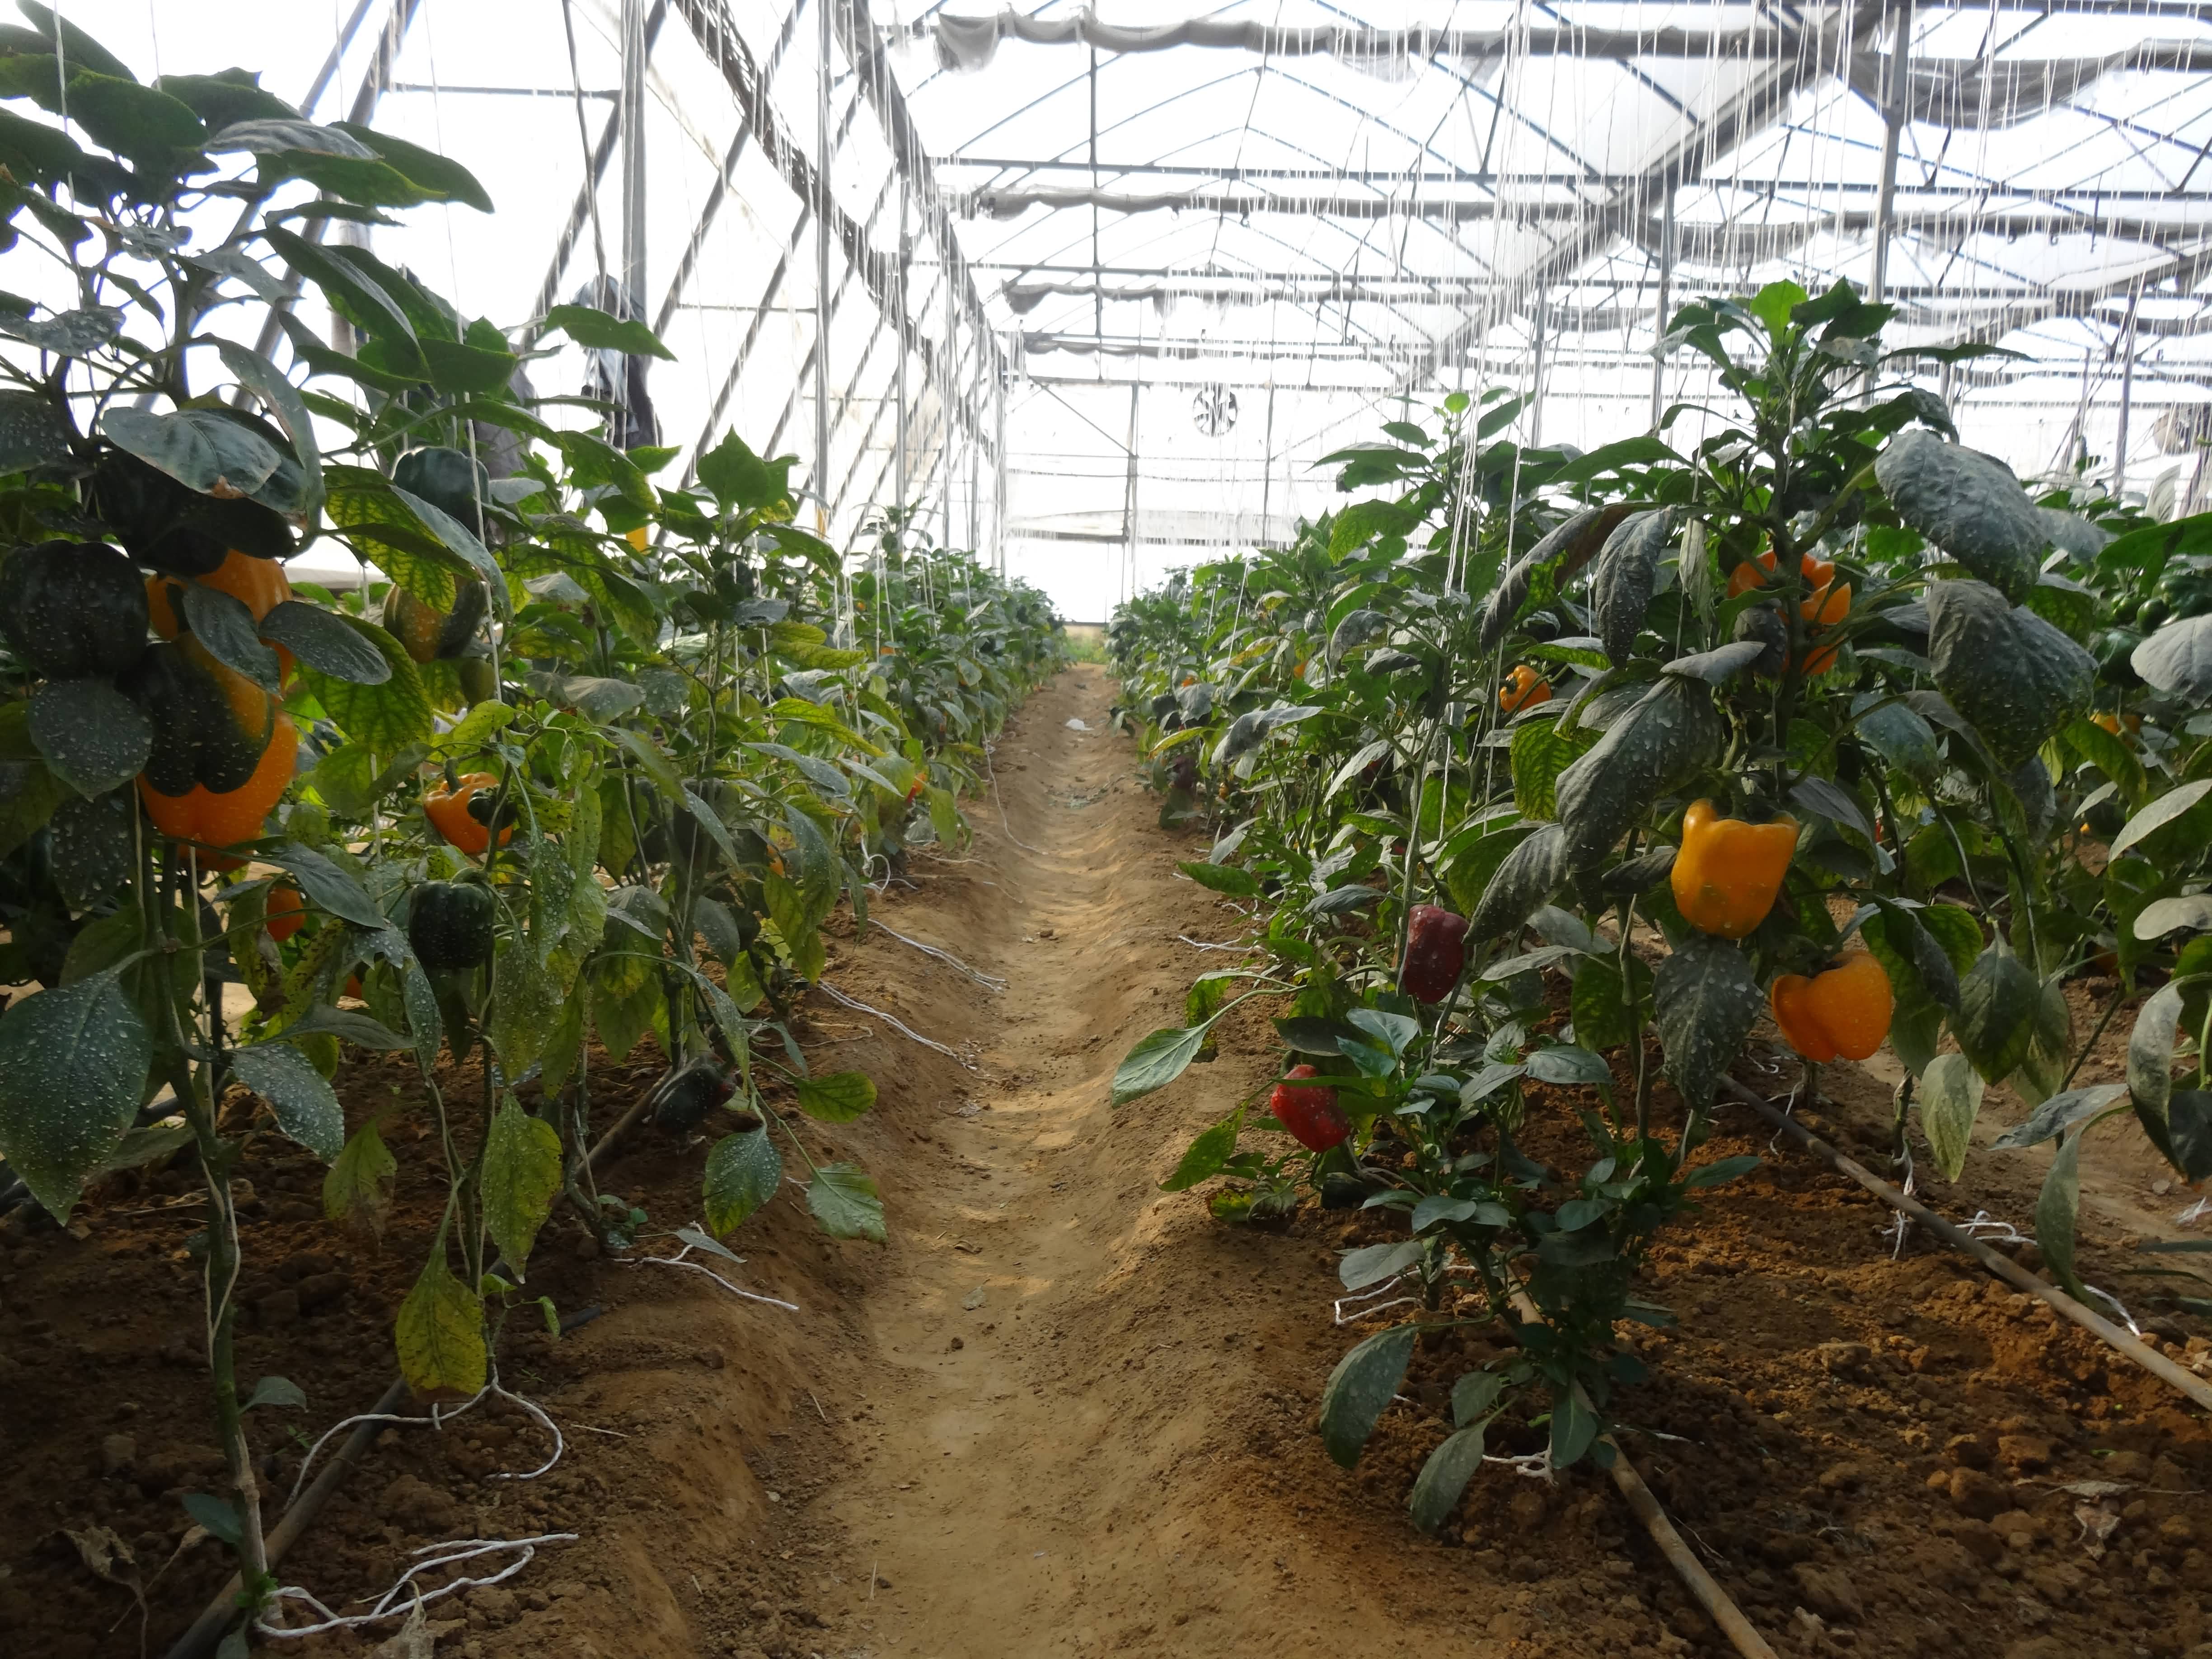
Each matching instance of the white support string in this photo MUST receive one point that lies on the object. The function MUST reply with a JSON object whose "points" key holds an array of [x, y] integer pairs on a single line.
{"points": [[988, 981], [678, 1260], [389, 1605], [860, 1007]]}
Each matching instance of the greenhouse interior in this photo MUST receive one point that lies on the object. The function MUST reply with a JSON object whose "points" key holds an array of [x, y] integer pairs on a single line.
{"points": [[1098, 295], [1362, 826]]}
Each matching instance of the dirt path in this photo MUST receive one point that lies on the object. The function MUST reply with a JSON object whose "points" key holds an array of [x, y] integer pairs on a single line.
{"points": [[1062, 1414], [1035, 1461]]}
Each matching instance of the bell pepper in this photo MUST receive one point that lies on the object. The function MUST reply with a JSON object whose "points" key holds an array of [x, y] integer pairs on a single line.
{"points": [[1523, 688], [451, 924], [447, 809], [429, 635], [1842, 1013], [1728, 871], [258, 584], [449, 479], [1817, 573], [283, 912], [1315, 1122], [1830, 604], [1818, 661], [225, 818], [1436, 951], [72, 610]]}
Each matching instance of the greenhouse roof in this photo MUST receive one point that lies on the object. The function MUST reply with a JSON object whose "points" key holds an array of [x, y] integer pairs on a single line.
{"points": [[1191, 251]]}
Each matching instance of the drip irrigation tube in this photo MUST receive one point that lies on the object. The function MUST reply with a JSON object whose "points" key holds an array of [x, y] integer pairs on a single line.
{"points": [[1743, 1636], [200, 1637], [2003, 1266]]}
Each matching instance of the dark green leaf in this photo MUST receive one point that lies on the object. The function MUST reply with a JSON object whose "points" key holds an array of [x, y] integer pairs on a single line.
{"points": [[437, 174], [325, 642], [1627, 571], [2150, 1050], [200, 449], [92, 736], [2012, 674], [1574, 1430], [2056, 1209], [1442, 1480], [1968, 504], [1720, 1171], [839, 1097], [1156, 1061], [73, 1063], [1661, 744], [221, 623], [743, 1173], [93, 845], [1705, 1002], [1359, 1387], [2060, 1114], [1525, 881], [588, 327], [1997, 1004], [305, 1107], [348, 1025], [843, 1200], [326, 887], [1206, 1154], [33, 431], [1223, 878]]}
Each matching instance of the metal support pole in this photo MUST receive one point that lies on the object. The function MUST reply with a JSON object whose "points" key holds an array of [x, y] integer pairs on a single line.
{"points": [[821, 278], [1098, 282], [2127, 396], [976, 448], [1536, 374], [999, 483], [945, 381], [905, 270], [1268, 472], [1659, 316], [1892, 138], [636, 52], [1129, 507]]}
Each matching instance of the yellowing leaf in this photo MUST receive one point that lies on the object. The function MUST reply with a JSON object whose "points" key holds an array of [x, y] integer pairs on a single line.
{"points": [[521, 1174], [440, 1333]]}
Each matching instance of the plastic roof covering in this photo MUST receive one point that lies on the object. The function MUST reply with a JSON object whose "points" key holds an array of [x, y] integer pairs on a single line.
{"points": [[1304, 219]]}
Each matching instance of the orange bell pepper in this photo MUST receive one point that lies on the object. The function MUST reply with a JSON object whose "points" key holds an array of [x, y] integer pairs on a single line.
{"points": [[260, 584], [447, 809], [1817, 573], [236, 815], [1843, 1012], [1830, 604], [1523, 688], [283, 912], [1729, 872]]}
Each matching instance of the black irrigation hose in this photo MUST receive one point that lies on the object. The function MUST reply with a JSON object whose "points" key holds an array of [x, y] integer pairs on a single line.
{"points": [[2003, 1266]]}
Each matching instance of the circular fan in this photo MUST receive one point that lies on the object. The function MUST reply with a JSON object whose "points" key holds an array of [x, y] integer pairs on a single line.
{"points": [[1213, 410]]}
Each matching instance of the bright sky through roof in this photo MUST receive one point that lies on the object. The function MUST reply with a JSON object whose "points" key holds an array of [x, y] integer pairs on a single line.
{"points": [[1358, 236]]}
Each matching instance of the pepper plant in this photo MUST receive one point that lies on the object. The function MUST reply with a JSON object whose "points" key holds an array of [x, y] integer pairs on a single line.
{"points": [[585, 761], [1550, 775]]}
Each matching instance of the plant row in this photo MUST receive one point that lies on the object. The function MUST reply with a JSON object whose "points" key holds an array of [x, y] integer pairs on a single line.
{"points": [[1545, 775], [587, 759]]}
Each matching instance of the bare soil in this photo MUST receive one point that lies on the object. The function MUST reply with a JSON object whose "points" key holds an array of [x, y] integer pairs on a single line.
{"points": [[1063, 1413]]}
